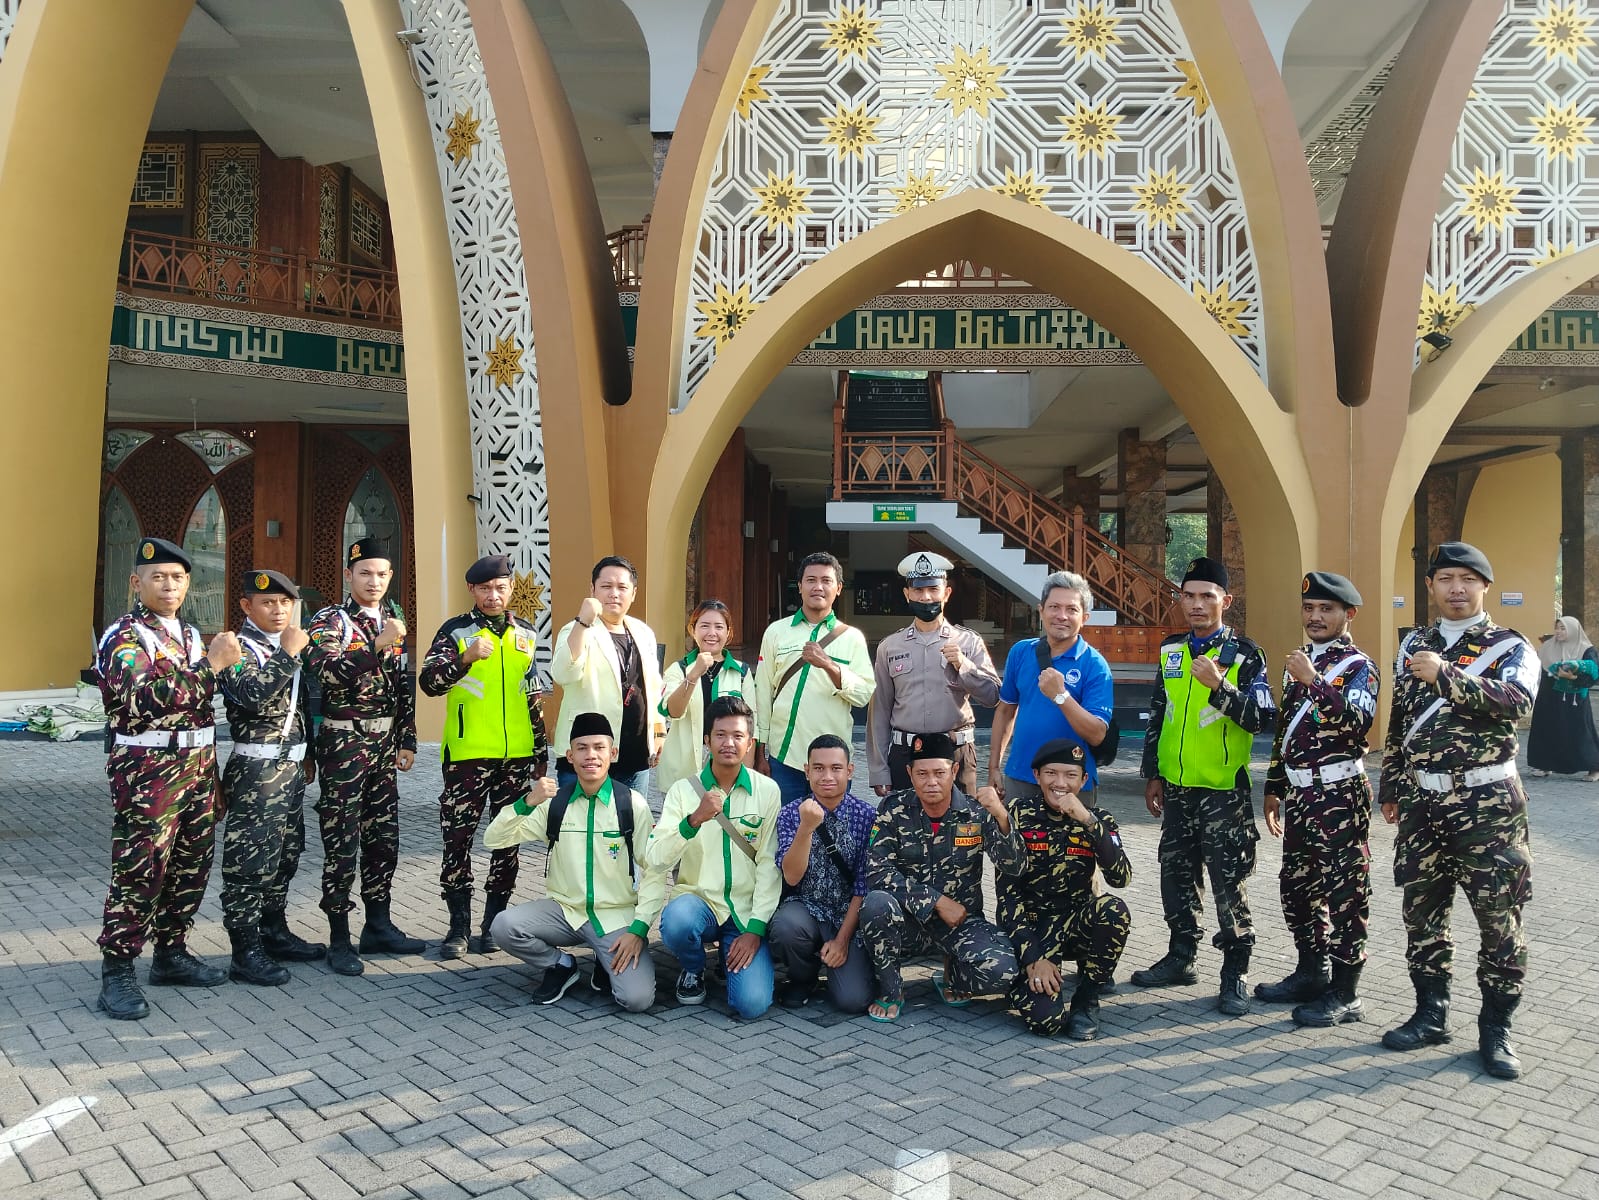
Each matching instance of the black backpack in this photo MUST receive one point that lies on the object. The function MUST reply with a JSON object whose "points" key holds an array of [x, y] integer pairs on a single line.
{"points": [[621, 796], [1104, 753]]}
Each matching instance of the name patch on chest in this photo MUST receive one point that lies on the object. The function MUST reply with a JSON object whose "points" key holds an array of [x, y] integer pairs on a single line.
{"points": [[968, 835], [1173, 664]]}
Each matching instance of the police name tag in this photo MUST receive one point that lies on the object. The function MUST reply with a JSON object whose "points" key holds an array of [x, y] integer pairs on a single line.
{"points": [[1173, 668]]}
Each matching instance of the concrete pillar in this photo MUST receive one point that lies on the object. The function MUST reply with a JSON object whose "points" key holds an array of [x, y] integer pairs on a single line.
{"points": [[1080, 491], [1579, 526], [1224, 540], [1141, 475]]}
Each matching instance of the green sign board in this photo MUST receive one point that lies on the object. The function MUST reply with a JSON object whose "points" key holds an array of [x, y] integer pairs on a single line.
{"points": [[892, 513]]}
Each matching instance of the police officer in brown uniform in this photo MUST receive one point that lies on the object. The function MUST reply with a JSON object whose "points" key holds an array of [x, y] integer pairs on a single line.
{"points": [[928, 675]]}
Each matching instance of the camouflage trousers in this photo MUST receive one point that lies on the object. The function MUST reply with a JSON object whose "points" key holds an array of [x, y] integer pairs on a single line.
{"points": [[262, 837], [359, 811], [1475, 838], [1326, 872], [981, 958], [163, 837], [1207, 832], [469, 788], [1093, 935]]}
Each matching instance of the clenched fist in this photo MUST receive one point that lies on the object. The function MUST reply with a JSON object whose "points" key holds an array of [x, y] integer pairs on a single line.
{"points": [[810, 813], [478, 649], [703, 662], [589, 611], [224, 650], [294, 640], [392, 633], [1051, 682]]}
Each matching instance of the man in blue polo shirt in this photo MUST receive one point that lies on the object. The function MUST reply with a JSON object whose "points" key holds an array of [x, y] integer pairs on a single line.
{"points": [[1071, 698]]}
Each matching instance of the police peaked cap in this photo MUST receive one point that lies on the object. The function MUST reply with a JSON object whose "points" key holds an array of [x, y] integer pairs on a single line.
{"points": [[159, 550], [269, 583], [490, 566], [365, 548], [591, 724], [1206, 570], [1324, 585], [922, 568], [933, 745], [1460, 554], [1063, 751]]}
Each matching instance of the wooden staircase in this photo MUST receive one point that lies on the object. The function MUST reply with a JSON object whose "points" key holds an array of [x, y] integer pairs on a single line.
{"points": [[932, 463]]}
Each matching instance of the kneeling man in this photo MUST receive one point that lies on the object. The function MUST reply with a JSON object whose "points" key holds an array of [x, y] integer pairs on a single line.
{"points": [[925, 870], [1049, 908], [597, 829]]}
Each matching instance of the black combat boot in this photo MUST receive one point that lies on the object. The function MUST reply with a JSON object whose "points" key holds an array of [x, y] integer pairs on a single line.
{"points": [[382, 936], [1493, 1035], [1082, 1020], [459, 902], [281, 943], [174, 966], [250, 963], [1307, 982], [1339, 1004], [493, 906], [1176, 967], [1429, 1024], [341, 955], [1233, 1000], [120, 997]]}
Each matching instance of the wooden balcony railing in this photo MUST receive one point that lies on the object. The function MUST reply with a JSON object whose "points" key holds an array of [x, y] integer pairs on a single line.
{"points": [[627, 255], [167, 265], [936, 463]]}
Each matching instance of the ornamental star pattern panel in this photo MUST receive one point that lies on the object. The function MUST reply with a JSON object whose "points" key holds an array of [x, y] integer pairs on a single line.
{"points": [[1522, 186], [502, 392], [8, 22], [854, 112]]}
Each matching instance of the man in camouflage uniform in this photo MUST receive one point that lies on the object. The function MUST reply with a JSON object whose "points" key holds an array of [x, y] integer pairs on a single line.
{"points": [[925, 868], [264, 783], [494, 740], [1318, 800], [157, 679], [1049, 908], [1211, 698], [368, 729], [1449, 780]]}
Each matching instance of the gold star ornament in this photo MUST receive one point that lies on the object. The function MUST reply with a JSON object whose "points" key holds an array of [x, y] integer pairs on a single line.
{"points": [[1022, 187], [850, 130], [1490, 201], [1091, 130], [917, 191], [462, 132], [527, 597], [724, 316], [1562, 30], [753, 93], [1440, 311], [852, 32], [1192, 86], [505, 362], [970, 81], [1090, 30], [1223, 308], [1562, 131], [1160, 198], [782, 201]]}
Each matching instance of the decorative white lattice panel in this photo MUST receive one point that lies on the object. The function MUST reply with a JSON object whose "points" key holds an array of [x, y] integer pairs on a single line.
{"points": [[1522, 188], [8, 21], [855, 112], [502, 393]]}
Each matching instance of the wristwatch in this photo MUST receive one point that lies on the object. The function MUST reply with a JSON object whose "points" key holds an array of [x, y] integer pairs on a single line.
{"points": [[1060, 698]]}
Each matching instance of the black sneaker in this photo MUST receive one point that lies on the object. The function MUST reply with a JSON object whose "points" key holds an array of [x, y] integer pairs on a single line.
{"points": [[796, 993], [691, 988], [557, 981]]}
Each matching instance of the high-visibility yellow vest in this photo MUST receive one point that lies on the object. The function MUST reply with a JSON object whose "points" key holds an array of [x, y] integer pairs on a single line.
{"points": [[487, 713], [1199, 745]]}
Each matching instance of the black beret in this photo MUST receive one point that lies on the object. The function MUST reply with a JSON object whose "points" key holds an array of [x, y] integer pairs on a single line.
{"points": [[1461, 554], [1324, 585], [1061, 750], [490, 566], [159, 550], [591, 724], [933, 745], [1206, 570], [269, 583], [366, 548]]}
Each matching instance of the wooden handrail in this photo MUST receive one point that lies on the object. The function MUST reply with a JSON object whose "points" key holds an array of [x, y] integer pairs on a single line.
{"points": [[168, 265]]}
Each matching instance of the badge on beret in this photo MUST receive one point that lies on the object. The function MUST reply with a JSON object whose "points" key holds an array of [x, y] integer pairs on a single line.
{"points": [[262, 582], [149, 550], [916, 743], [355, 550], [1194, 566]]}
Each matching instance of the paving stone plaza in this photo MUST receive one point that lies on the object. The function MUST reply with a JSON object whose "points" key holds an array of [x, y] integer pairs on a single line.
{"points": [[432, 1079]]}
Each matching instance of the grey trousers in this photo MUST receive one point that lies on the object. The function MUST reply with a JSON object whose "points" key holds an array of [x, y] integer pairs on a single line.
{"points": [[537, 932], [796, 936]]}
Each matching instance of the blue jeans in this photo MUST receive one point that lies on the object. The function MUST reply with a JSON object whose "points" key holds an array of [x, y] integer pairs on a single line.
{"points": [[639, 783], [688, 925], [791, 783]]}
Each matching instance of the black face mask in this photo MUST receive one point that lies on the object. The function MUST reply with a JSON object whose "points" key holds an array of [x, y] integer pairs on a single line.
{"points": [[925, 610]]}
